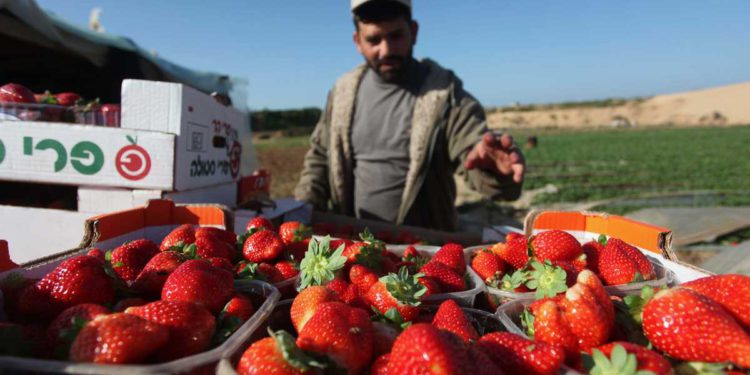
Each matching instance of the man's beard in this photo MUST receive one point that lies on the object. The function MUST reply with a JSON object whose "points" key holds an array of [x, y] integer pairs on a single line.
{"points": [[396, 74]]}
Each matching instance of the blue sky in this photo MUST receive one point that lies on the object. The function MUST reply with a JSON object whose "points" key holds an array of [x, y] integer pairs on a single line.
{"points": [[291, 51]]}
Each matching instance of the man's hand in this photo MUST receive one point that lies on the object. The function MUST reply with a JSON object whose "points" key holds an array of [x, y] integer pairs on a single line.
{"points": [[498, 155]]}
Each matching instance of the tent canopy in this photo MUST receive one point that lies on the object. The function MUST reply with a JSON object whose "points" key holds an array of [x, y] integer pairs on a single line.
{"points": [[44, 52]]}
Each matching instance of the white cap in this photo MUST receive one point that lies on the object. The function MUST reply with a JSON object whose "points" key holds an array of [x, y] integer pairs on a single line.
{"points": [[357, 3]]}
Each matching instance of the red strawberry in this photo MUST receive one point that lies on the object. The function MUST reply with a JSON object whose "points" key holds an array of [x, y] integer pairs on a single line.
{"points": [[397, 291], [518, 355], [425, 349], [620, 263], [296, 251], [645, 267], [129, 259], [451, 318], [410, 252], [340, 332], [488, 266], [731, 291], [269, 356], [515, 252], [190, 326], [270, 273], [593, 249], [81, 279], [118, 339], [432, 286], [67, 324], [588, 320], [452, 255], [180, 236], [380, 365], [96, 253], [15, 93], [240, 307], [362, 277], [689, 326], [647, 360], [287, 268], [448, 279], [294, 231], [555, 245], [154, 274], [67, 99], [221, 234], [199, 282], [307, 302], [262, 246], [338, 285], [550, 327], [368, 251], [210, 246], [260, 223], [222, 263]]}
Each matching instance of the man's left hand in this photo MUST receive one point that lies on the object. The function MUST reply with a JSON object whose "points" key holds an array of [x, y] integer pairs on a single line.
{"points": [[497, 155]]}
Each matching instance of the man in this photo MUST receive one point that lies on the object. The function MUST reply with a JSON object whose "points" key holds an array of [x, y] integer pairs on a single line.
{"points": [[395, 130]]}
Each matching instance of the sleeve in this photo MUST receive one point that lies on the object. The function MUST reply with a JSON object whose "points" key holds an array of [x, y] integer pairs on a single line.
{"points": [[466, 124], [313, 183]]}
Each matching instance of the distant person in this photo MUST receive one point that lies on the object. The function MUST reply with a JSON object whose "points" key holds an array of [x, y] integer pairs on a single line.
{"points": [[395, 129], [531, 142]]}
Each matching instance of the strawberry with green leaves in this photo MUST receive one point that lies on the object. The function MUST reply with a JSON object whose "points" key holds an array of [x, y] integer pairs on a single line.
{"points": [[488, 266], [154, 274], [731, 291], [179, 237], [199, 282], [118, 338], [689, 326], [236, 312], [451, 318], [259, 223], [367, 252], [190, 326], [400, 291], [262, 246], [447, 278], [621, 357], [340, 332], [277, 354], [515, 251], [307, 302], [589, 318], [621, 263], [224, 235], [546, 279], [517, 355], [287, 268], [362, 277], [424, 349], [452, 255], [593, 249], [554, 245], [65, 327], [321, 263], [129, 259]]}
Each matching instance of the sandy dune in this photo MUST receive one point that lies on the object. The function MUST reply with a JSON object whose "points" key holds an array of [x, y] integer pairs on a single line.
{"points": [[722, 106]]}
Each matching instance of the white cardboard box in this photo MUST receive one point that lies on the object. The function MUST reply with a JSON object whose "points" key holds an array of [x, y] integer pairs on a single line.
{"points": [[172, 137], [94, 199]]}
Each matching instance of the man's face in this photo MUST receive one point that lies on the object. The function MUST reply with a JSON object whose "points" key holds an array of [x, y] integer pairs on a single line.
{"points": [[387, 46]]}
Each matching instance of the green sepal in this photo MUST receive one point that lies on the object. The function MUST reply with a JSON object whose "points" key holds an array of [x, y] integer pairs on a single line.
{"points": [[701, 368], [293, 354], [636, 303], [620, 362], [546, 279], [405, 288], [527, 322], [510, 282], [391, 317], [319, 266], [602, 239]]}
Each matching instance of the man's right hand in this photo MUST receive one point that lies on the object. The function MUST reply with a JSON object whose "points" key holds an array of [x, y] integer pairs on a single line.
{"points": [[497, 155]]}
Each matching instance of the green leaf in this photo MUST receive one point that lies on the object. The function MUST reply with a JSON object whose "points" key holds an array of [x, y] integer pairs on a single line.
{"points": [[319, 265], [293, 354], [527, 322], [405, 288], [546, 279], [132, 140], [602, 240]]}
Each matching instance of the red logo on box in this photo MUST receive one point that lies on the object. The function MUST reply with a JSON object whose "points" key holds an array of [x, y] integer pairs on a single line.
{"points": [[132, 161]]}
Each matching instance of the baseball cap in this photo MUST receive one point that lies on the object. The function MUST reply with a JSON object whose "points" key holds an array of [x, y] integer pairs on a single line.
{"points": [[357, 3]]}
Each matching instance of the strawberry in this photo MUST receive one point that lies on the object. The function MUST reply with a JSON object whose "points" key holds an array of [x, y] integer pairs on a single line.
{"points": [[550, 327], [277, 354], [369, 254], [190, 326], [624, 357], [400, 291], [450, 317], [240, 307], [96, 253], [362, 277], [338, 286], [15, 93], [66, 326], [692, 327], [446, 277], [307, 302], [620, 263], [321, 263], [517, 355], [410, 252], [589, 321], [218, 233], [118, 338], [296, 251], [380, 365], [488, 266], [425, 349], [67, 99], [432, 286], [294, 231], [178, 237], [199, 282], [154, 274], [81, 279], [129, 259], [262, 246], [270, 273], [593, 249], [731, 291], [220, 262], [259, 223], [555, 245], [452, 255], [342, 333], [210, 246], [287, 268], [515, 252]]}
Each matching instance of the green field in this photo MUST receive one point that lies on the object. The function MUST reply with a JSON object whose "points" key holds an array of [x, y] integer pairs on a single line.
{"points": [[596, 165]]}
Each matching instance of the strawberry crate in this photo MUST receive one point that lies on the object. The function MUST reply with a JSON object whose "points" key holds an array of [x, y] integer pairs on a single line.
{"points": [[464, 298], [483, 322], [152, 222]]}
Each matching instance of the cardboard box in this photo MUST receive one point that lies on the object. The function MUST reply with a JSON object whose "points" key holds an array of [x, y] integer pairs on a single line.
{"points": [[586, 226], [104, 199], [172, 137]]}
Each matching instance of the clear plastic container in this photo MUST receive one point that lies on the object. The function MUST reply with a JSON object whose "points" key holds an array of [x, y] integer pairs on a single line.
{"points": [[664, 277], [202, 362], [34, 112], [484, 322], [464, 298], [105, 115]]}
